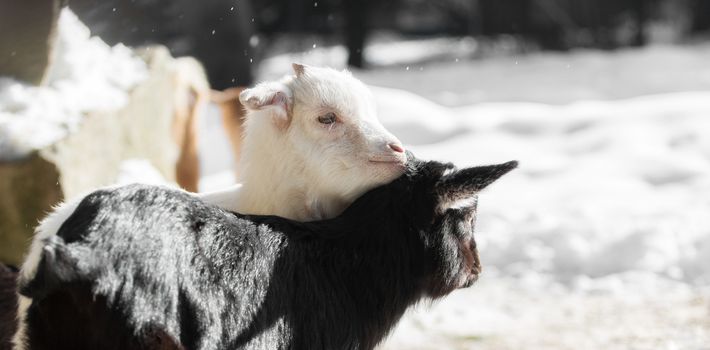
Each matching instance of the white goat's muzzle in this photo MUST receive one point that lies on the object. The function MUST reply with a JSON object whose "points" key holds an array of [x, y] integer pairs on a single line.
{"points": [[389, 152]]}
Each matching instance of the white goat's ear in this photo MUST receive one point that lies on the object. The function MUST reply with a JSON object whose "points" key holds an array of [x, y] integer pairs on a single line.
{"points": [[274, 98], [298, 68]]}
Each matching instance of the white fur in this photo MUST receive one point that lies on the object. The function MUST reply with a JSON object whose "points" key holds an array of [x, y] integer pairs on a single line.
{"points": [[295, 167], [466, 202], [19, 339], [223, 198], [48, 227]]}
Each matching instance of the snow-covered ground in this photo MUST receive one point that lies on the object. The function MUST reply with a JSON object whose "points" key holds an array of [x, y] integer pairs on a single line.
{"points": [[601, 239], [441, 70]]}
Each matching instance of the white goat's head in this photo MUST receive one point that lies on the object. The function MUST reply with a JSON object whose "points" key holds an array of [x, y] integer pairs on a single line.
{"points": [[324, 123]]}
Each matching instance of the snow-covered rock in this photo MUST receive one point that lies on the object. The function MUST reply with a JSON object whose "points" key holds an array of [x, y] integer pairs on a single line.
{"points": [[101, 108], [86, 76]]}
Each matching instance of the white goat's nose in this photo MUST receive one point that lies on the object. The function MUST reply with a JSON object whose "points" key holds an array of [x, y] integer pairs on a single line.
{"points": [[396, 147]]}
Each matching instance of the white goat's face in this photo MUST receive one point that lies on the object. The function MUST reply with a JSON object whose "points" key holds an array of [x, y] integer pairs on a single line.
{"points": [[335, 127], [329, 119]]}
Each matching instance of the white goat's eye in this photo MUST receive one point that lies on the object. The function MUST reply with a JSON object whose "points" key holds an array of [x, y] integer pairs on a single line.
{"points": [[328, 118]]}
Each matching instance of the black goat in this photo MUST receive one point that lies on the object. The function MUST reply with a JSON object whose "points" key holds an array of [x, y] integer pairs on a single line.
{"points": [[150, 267]]}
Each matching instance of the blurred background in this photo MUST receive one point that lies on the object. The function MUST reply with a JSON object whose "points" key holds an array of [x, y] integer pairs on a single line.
{"points": [[601, 240]]}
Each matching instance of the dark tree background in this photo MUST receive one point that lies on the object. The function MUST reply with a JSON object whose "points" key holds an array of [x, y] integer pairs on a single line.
{"points": [[217, 32], [223, 33]]}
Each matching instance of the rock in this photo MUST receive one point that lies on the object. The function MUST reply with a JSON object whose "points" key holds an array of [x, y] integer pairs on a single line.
{"points": [[29, 189], [27, 31]]}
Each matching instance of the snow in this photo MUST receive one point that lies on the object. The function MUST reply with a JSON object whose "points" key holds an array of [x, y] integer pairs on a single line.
{"points": [[601, 239], [457, 80], [596, 178], [86, 76], [510, 313]]}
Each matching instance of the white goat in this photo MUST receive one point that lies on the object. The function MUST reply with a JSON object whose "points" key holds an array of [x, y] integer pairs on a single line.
{"points": [[312, 145]]}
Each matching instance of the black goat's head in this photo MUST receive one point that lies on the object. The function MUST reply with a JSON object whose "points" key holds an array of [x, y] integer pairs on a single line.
{"points": [[442, 201]]}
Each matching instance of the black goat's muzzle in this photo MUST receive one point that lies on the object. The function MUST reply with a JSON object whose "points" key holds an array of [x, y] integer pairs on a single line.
{"points": [[471, 264]]}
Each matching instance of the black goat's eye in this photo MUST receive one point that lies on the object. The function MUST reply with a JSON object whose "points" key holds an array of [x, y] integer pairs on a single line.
{"points": [[328, 118]]}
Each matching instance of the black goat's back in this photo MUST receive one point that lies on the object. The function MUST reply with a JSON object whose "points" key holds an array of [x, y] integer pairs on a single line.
{"points": [[145, 266]]}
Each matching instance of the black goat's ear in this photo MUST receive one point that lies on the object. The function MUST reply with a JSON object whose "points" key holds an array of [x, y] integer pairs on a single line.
{"points": [[467, 182]]}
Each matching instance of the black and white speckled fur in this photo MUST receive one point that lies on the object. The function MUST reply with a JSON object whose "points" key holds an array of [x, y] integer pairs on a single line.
{"points": [[150, 267]]}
